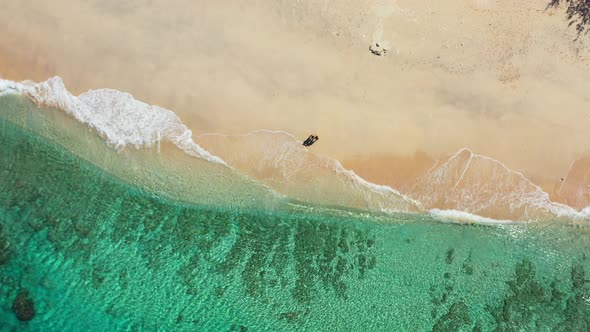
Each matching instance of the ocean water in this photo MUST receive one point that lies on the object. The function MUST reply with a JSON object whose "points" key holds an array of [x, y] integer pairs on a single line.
{"points": [[93, 250]]}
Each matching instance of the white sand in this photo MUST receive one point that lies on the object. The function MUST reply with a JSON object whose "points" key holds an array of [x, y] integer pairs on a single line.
{"points": [[503, 78]]}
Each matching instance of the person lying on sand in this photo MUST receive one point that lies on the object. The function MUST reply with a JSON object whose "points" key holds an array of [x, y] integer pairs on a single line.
{"points": [[310, 140]]}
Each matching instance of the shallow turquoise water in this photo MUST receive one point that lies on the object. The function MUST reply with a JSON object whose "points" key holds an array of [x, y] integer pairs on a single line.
{"points": [[98, 254]]}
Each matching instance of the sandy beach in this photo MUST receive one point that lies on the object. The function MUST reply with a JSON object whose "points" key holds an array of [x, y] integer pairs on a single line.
{"points": [[505, 79], [153, 176]]}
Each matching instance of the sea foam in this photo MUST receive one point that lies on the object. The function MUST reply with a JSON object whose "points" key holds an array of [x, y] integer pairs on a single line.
{"points": [[117, 117], [280, 160], [465, 188], [462, 217], [484, 186], [125, 122]]}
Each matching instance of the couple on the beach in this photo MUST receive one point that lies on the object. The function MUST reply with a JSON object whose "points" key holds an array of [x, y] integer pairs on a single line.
{"points": [[310, 140]]}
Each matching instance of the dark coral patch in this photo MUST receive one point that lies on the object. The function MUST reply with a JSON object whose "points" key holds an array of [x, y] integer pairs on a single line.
{"points": [[450, 256], [23, 306]]}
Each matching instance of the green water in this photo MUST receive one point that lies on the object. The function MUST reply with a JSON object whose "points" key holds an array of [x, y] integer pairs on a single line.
{"points": [[97, 254]]}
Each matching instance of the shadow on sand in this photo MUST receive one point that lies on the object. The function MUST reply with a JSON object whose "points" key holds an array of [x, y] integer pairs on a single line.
{"points": [[577, 13]]}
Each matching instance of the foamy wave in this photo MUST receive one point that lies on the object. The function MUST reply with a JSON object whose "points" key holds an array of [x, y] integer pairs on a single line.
{"points": [[463, 217], [290, 168], [120, 119], [278, 159], [484, 186], [467, 186]]}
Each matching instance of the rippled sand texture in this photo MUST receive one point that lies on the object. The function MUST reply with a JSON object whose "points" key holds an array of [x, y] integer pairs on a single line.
{"points": [[502, 78], [94, 253]]}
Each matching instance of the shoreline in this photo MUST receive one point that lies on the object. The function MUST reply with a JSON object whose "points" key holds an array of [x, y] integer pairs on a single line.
{"points": [[433, 183], [434, 92]]}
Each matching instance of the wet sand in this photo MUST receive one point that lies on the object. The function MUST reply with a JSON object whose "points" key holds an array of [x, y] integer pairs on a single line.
{"points": [[399, 172], [503, 79]]}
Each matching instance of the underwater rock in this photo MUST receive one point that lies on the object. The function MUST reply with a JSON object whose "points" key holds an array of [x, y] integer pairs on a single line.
{"points": [[240, 328], [455, 319], [23, 306], [4, 248], [450, 256], [290, 317], [467, 269]]}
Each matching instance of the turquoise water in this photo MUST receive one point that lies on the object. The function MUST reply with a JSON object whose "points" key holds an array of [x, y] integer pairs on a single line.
{"points": [[98, 254]]}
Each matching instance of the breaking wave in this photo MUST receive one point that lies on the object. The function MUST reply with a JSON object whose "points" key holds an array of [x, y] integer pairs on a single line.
{"points": [[465, 188], [484, 186], [279, 160], [462, 217], [116, 116]]}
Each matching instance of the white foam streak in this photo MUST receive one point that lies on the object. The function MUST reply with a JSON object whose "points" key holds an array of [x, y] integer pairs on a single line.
{"points": [[461, 189], [464, 171], [462, 217], [117, 117], [482, 185], [278, 158], [541, 198]]}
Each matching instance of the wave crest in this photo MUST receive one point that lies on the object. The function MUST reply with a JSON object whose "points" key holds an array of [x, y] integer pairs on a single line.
{"points": [[484, 186], [278, 159], [116, 116], [465, 187]]}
